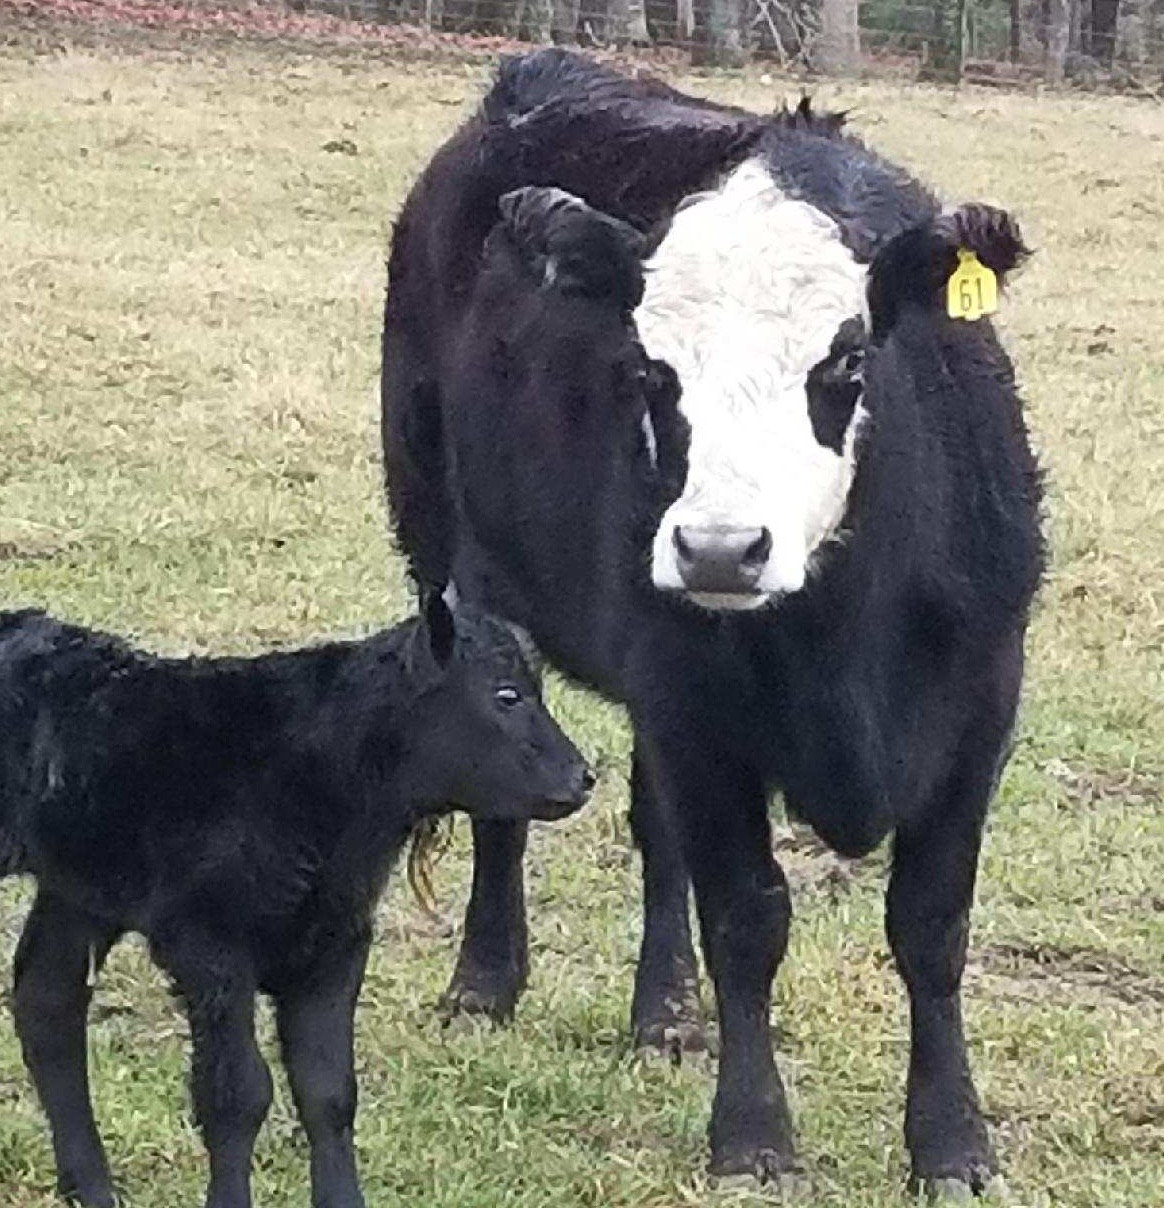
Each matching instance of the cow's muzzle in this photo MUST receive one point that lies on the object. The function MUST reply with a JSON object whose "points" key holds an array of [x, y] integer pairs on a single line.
{"points": [[721, 560]]}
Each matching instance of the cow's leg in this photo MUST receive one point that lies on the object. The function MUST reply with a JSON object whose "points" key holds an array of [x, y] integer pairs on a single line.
{"points": [[931, 885], [494, 960], [742, 901], [58, 950], [666, 1012], [315, 1021], [230, 1084]]}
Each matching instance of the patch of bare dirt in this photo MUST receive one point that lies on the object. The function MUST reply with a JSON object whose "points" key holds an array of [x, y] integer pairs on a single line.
{"points": [[1085, 975], [809, 865], [1098, 786]]}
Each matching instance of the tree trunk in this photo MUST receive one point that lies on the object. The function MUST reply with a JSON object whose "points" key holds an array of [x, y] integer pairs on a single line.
{"points": [[838, 45], [539, 20], [1058, 38], [626, 23], [1101, 45], [434, 14], [1032, 34], [566, 13], [947, 50], [1131, 28], [685, 19], [1075, 40], [721, 44]]}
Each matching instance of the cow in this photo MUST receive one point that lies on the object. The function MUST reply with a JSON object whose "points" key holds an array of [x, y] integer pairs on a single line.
{"points": [[243, 814], [673, 386]]}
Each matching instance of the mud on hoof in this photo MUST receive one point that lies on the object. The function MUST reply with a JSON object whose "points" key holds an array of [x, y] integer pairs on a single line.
{"points": [[668, 1020], [679, 1028]]}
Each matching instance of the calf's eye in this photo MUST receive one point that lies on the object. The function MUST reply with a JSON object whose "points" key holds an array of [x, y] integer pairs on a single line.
{"points": [[507, 696]]}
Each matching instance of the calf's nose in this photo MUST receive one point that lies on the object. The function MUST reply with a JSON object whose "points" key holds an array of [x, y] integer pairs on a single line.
{"points": [[721, 558]]}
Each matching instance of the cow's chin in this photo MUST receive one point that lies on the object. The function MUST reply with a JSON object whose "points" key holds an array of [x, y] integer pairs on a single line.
{"points": [[722, 602]]}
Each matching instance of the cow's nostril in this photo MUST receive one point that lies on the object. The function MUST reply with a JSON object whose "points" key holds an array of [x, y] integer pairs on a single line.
{"points": [[589, 780], [759, 551], [721, 558]]}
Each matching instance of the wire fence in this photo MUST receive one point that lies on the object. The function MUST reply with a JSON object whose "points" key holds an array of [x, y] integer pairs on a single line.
{"points": [[1089, 43]]}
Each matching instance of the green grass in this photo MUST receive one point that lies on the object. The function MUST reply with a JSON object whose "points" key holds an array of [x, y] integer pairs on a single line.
{"points": [[190, 288]]}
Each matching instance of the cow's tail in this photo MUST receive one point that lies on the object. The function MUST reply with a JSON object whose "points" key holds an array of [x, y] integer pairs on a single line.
{"points": [[430, 840]]}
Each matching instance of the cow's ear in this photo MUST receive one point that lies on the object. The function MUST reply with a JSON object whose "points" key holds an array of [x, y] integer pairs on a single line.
{"points": [[913, 268], [439, 626], [573, 248]]}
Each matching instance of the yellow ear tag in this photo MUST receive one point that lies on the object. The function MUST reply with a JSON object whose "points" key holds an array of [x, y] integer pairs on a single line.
{"points": [[972, 290]]}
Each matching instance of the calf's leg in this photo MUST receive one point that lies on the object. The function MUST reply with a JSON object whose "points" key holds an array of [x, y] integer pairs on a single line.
{"points": [[493, 963], [935, 861], [315, 1021], [230, 1083], [742, 901], [666, 1012], [58, 949]]}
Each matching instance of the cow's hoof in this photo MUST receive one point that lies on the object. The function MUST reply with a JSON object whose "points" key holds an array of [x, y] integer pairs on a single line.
{"points": [[788, 1186], [480, 994], [771, 1169], [667, 1018], [978, 1182]]}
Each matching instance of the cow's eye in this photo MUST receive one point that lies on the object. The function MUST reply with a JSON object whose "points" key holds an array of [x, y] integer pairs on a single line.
{"points": [[851, 364], [507, 696]]}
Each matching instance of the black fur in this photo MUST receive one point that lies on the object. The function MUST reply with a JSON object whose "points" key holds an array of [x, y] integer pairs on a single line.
{"points": [[879, 699], [242, 815]]}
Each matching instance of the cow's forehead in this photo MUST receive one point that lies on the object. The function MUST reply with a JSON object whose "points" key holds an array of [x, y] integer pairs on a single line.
{"points": [[748, 280]]}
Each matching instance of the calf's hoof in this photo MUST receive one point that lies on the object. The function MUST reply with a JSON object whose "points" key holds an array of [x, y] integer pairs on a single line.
{"points": [[87, 1193]]}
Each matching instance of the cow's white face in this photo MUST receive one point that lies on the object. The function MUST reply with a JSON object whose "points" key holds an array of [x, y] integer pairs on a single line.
{"points": [[745, 296]]}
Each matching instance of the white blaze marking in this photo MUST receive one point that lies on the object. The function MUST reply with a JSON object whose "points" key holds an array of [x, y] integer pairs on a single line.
{"points": [[743, 297], [649, 440]]}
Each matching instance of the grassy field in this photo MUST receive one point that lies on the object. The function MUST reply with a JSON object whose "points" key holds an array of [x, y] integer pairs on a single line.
{"points": [[191, 275]]}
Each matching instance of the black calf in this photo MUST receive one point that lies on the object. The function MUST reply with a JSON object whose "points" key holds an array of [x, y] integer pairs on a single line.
{"points": [[243, 814]]}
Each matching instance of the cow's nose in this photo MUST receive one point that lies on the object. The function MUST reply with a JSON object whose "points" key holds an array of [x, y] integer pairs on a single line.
{"points": [[721, 559]]}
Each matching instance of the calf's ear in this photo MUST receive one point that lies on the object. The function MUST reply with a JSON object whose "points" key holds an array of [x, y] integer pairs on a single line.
{"points": [[912, 269], [572, 247], [529, 651], [438, 624]]}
